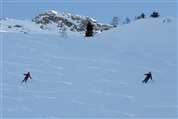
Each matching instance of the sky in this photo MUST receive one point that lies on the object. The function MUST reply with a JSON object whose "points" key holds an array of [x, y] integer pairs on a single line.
{"points": [[101, 10]]}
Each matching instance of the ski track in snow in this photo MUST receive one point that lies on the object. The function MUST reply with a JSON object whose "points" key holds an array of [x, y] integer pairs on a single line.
{"points": [[104, 69], [80, 59], [100, 92]]}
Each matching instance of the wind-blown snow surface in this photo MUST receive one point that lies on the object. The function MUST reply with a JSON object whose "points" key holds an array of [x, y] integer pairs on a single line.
{"points": [[79, 77]]}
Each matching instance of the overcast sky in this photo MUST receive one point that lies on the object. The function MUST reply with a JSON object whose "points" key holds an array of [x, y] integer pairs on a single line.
{"points": [[101, 10]]}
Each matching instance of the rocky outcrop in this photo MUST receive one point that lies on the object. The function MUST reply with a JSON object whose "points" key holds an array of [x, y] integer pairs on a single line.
{"points": [[72, 22]]}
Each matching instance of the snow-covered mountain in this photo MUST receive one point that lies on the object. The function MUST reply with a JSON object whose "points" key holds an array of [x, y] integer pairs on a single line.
{"points": [[52, 22], [101, 77], [71, 21]]}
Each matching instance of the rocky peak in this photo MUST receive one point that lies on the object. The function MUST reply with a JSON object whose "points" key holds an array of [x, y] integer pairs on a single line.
{"points": [[70, 21]]}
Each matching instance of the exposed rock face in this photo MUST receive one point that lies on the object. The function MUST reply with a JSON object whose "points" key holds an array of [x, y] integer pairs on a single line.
{"points": [[72, 22]]}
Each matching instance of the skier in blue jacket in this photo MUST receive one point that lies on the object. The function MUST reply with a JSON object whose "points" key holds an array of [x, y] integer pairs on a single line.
{"points": [[27, 76], [148, 76]]}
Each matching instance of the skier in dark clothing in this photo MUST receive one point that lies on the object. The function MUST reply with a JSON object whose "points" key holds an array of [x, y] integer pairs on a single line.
{"points": [[148, 76], [27, 76]]}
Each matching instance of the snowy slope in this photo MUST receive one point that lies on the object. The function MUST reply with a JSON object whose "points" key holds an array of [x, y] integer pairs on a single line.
{"points": [[100, 77], [9, 25]]}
